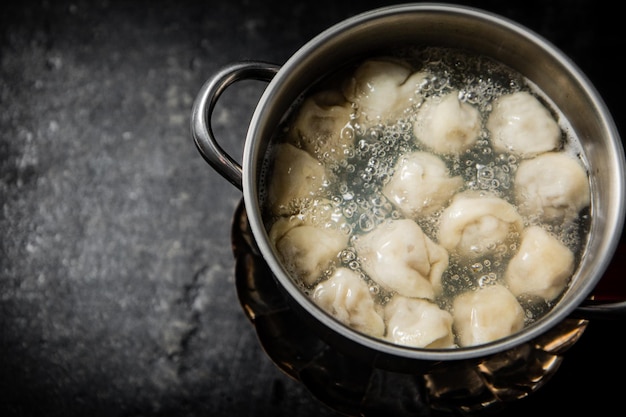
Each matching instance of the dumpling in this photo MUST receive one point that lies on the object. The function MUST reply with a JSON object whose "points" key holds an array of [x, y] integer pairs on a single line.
{"points": [[552, 186], [309, 242], [322, 126], [475, 224], [447, 125], [346, 297], [421, 184], [382, 88], [542, 266], [418, 323], [400, 257], [521, 125], [485, 315], [295, 175]]}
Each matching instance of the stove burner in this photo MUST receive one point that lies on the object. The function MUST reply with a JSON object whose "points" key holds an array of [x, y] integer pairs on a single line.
{"points": [[353, 388]]}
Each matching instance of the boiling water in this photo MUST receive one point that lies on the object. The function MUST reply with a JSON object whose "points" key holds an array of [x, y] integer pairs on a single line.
{"points": [[358, 179]]}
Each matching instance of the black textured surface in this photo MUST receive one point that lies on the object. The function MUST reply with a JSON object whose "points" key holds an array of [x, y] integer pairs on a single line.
{"points": [[117, 292]]}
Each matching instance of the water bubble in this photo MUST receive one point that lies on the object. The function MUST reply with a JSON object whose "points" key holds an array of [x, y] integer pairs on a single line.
{"points": [[347, 133], [378, 201], [347, 255], [487, 280], [378, 213], [484, 172], [346, 228], [366, 222]]}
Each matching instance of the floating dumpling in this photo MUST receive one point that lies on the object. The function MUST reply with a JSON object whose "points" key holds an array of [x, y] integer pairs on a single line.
{"points": [[542, 266], [418, 323], [485, 315], [421, 184], [346, 297], [521, 125], [296, 175], [447, 125], [382, 89], [309, 242], [476, 224], [400, 257], [552, 186], [322, 126]]}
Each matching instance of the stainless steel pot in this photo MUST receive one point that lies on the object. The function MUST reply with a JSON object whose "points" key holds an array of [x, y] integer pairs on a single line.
{"points": [[372, 33]]}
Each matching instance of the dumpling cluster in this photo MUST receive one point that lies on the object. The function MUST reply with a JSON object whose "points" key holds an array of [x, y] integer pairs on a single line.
{"points": [[406, 321], [440, 217], [321, 133], [550, 184]]}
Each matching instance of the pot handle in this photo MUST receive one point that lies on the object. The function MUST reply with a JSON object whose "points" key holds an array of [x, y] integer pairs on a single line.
{"points": [[608, 299], [203, 107], [606, 311]]}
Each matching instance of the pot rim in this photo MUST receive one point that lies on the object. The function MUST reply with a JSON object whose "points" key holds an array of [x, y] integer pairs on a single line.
{"points": [[250, 188]]}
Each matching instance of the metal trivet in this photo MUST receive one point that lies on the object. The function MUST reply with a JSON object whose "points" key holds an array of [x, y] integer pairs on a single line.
{"points": [[350, 387]]}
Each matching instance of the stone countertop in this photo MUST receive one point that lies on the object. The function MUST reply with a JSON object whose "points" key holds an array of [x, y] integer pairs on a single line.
{"points": [[117, 293]]}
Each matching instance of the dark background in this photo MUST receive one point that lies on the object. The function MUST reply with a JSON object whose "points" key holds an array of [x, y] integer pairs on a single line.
{"points": [[117, 293]]}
